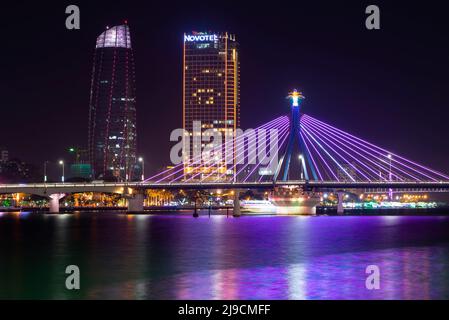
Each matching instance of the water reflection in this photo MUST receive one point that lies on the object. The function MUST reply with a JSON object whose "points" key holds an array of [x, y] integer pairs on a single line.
{"points": [[178, 257]]}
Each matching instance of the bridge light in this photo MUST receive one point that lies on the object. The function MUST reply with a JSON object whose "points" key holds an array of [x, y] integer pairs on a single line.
{"points": [[61, 162], [143, 168], [295, 96]]}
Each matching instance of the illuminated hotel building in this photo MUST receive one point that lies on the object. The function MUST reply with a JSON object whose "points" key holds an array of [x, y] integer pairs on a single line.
{"points": [[112, 109], [211, 92]]}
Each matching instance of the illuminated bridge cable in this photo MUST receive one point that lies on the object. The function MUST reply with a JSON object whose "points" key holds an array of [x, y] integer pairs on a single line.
{"points": [[336, 153], [411, 171], [199, 161], [240, 145], [333, 164], [284, 135], [342, 144], [408, 163], [282, 128], [395, 156], [328, 154], [253, 159], [330, 173], [313, 164], [240, 150], [331, 145], [377, 165], [281, 145]]}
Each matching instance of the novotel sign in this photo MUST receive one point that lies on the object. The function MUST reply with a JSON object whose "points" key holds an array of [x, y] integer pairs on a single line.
{"points": [[200, 37]]}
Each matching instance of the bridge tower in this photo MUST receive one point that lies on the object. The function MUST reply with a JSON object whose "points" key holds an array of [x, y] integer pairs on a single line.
{"points": [[296, 97]]}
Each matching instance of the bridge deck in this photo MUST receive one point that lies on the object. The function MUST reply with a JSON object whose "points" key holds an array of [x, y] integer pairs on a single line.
{"points": [[51, 188]]}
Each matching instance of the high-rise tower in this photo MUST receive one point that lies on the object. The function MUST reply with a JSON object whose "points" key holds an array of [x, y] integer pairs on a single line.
{"points": [[211, 91], [112, 108]]}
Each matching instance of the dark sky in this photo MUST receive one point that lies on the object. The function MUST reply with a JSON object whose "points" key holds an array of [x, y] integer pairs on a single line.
{"points": [[388, 86]]}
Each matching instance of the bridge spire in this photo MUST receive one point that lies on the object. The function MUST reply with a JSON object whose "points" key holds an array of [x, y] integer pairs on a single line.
{"points": [[296, 97]]}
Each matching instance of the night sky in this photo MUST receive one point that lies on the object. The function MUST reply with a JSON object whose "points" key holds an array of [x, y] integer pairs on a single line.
{"points": [[387, 86]]}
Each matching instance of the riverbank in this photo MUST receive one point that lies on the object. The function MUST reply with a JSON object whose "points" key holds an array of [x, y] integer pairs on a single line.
{"points": [[320, 211]]}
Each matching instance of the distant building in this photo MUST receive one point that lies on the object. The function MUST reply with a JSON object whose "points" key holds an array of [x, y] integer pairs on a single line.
{"points": [[80, 170], [4, 155], [17, 171], [211, 90], [4, 158], [112, 108]]}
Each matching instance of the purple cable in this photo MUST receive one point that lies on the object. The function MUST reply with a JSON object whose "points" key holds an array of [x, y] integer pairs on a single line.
{"points": [[400, 163], [323, 137], [280, 147], [196, 161], [321, 157], [386, 151], [254, 158], [273, 124], [284, 135], [267, 125], [330, 135], [310, 155], [330, 156]]}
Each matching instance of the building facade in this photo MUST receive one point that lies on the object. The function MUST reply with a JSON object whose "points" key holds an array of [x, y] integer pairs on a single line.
{"points": [[211, 95], [112, 108]]}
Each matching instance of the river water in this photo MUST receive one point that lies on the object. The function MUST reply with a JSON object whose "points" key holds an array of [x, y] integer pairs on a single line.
{"points": [[175, 256]]}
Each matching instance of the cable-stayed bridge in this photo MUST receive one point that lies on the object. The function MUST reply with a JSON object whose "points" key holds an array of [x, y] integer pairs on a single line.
{"points": [[294, 152], [324, 153]]}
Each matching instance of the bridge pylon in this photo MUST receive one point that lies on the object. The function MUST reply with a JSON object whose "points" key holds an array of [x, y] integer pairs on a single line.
{"points": [[296, 97], [236, 210], [54, 202]]}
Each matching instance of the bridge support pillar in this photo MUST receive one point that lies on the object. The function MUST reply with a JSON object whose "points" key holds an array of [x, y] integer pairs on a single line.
{"points": [[135, 202], [236, 211], [54, 202], [195, 209], [340, 195]]}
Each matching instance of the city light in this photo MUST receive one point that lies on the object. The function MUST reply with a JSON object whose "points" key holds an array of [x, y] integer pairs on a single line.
{"points": [[61, 162], [295, 96], [143, 168], [45, 171], [115, 37]]}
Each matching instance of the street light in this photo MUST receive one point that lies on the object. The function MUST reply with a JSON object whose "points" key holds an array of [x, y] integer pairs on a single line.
{"points": [[143, 167], [301, 160], [61, 162], [390, 190], [389, 156], [45, 171]]}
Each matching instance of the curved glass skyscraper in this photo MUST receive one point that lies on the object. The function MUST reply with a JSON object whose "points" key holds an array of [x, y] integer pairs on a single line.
{"points": [[112, 108]]}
